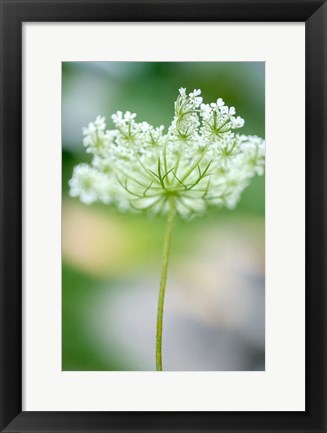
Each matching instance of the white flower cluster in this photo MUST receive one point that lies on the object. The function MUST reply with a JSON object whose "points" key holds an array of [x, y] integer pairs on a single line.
{"points": [[199, 162]]}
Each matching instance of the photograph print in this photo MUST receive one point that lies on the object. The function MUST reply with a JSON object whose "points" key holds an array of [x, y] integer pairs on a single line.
{"points": [[163, 216]]}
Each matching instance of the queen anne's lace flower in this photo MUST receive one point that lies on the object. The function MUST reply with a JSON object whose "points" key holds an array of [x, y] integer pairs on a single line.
{"points": [[200, 160]]}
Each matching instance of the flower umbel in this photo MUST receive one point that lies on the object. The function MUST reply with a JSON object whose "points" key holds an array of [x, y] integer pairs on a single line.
{"points": [[200, 161]]}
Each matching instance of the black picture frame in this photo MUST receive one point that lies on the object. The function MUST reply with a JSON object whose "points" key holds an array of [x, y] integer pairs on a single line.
{"points": [[16, 12]]}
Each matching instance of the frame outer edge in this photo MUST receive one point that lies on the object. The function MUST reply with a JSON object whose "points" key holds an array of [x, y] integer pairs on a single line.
{"points": [[11, 231], [316, 203], [10, 217]]}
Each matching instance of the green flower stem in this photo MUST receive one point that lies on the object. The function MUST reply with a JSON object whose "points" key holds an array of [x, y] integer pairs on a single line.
{"points": [[161, 298]]}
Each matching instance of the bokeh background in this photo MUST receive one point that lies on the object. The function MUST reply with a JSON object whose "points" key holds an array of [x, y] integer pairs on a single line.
{"points": [[214, 315]]}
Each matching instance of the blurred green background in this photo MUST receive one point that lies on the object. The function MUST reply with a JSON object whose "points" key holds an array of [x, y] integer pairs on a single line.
{"points": [[214, 315]]}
